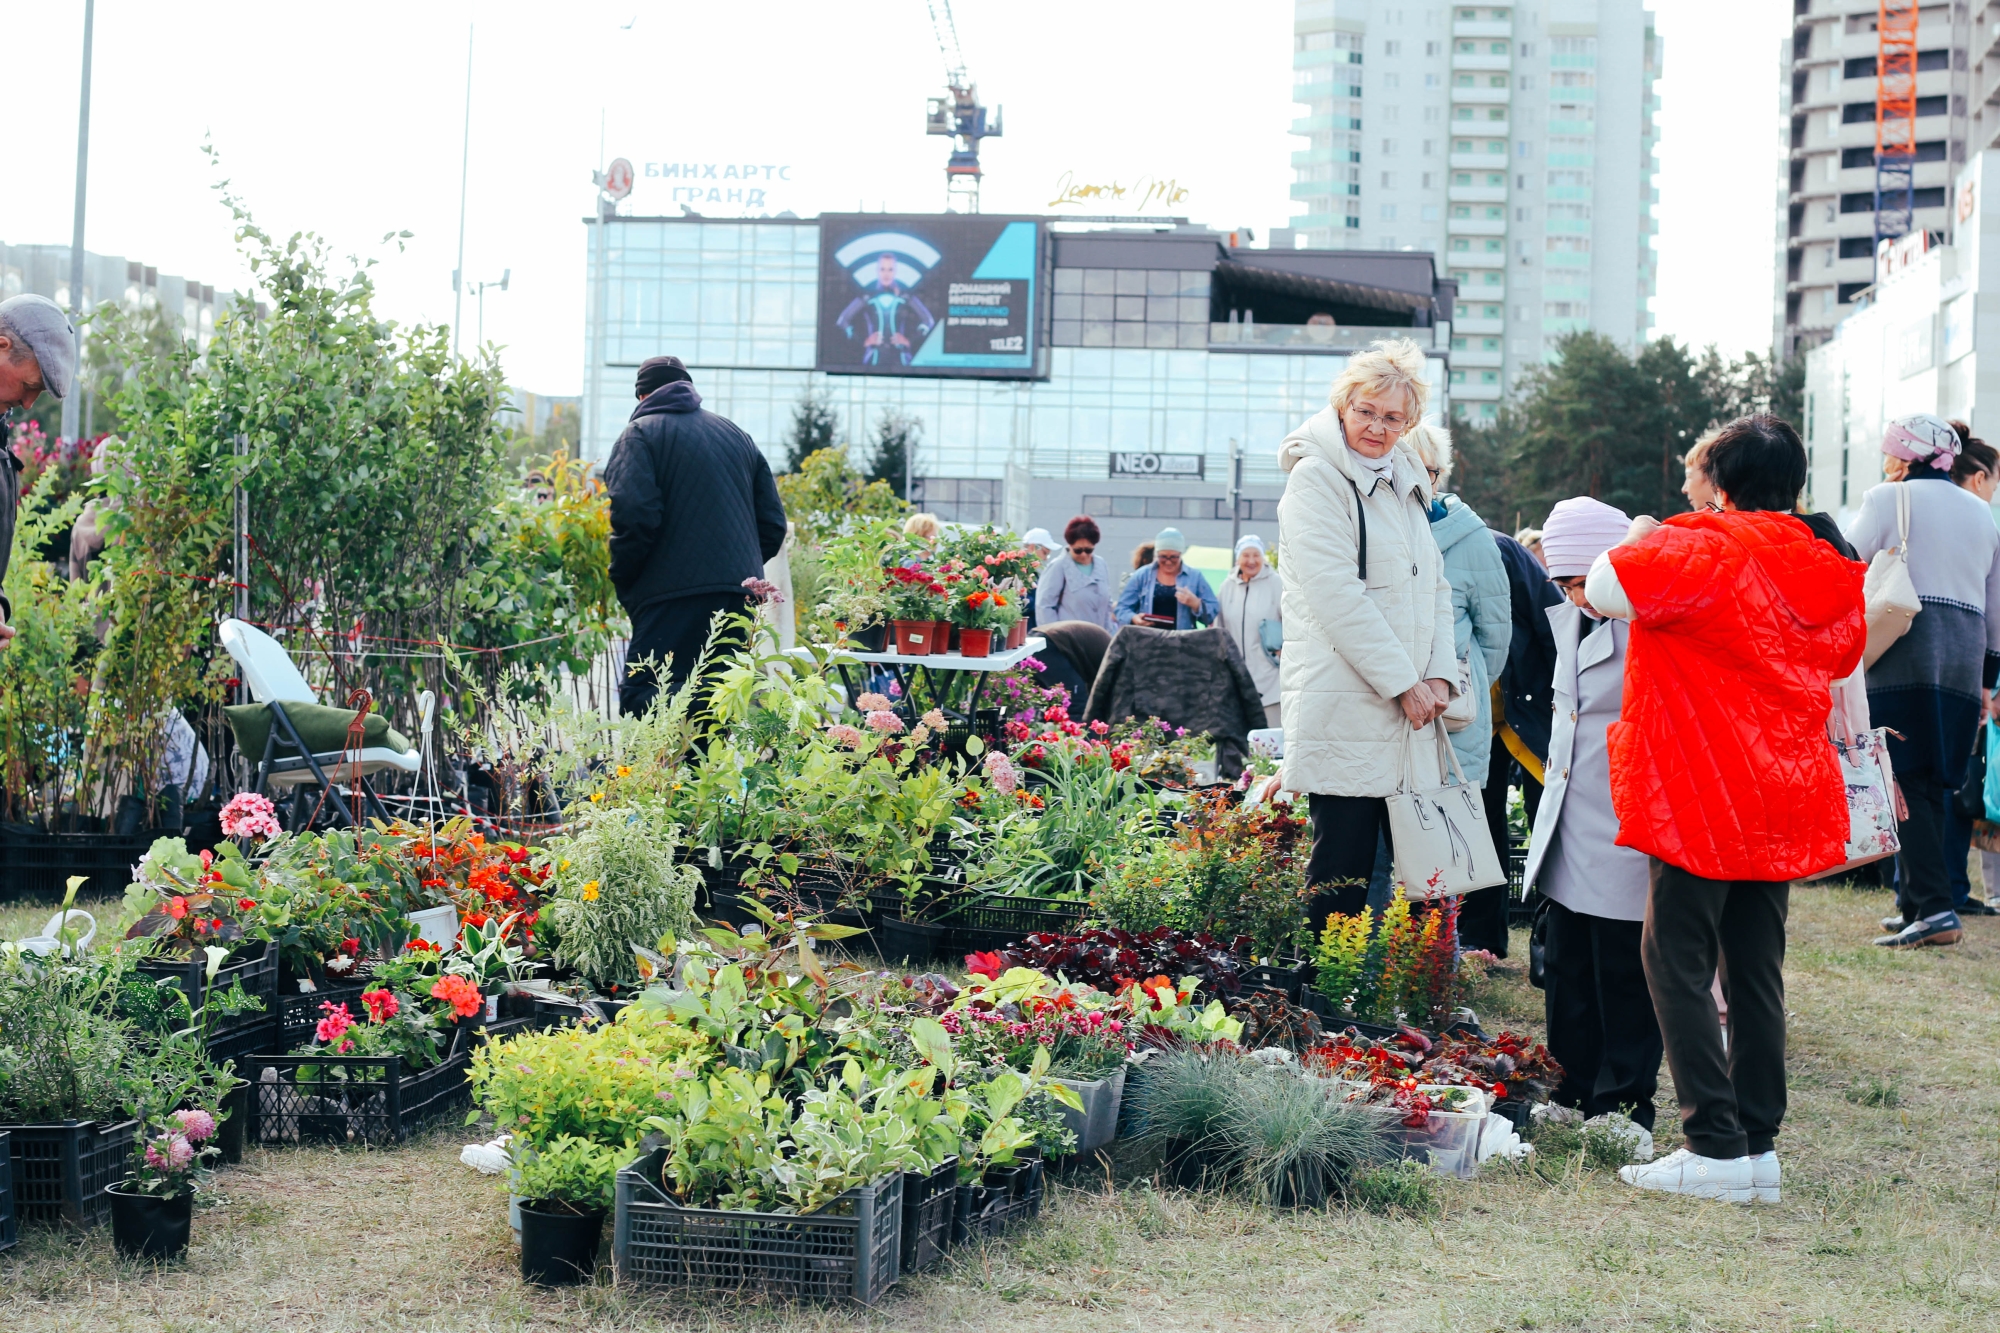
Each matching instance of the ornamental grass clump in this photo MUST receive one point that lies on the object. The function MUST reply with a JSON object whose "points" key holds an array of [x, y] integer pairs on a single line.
{"points": [[1287, 1134], [617, 889], [1293, 1139]]}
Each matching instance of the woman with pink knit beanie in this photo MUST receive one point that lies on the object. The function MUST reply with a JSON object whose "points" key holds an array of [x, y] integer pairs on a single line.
{"points": [[1600, 1014]]}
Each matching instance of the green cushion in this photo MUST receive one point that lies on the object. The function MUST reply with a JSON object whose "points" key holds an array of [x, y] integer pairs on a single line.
{"points": [[323, 729]]}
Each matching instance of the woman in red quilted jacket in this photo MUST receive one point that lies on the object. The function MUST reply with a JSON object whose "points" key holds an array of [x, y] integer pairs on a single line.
{"points": [[1722, 774]]}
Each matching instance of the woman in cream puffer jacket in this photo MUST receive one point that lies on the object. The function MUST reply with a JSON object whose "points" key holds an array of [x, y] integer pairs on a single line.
{"points": [[1365, 663]]}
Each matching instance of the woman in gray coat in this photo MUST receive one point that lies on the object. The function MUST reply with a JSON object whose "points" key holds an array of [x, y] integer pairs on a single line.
{"points": [[1077, 586], [1600, 1015]]}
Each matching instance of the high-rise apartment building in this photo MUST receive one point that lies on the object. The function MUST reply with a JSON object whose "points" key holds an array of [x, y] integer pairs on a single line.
{"points": [[1513, 141], [1826, 184]]}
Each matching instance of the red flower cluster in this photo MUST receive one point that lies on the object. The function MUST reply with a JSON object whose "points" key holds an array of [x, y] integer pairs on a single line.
{"points": [[463, 997], [382, 1005]]}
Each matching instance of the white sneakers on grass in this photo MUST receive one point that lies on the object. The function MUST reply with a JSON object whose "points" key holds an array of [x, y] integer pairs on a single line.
{"points": [[1731, 1179]]}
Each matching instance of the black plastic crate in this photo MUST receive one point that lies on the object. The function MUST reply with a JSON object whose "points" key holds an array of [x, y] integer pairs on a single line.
{"points": [[299, 1014], [39, 865], [256, 967], [265, 1038], [847, 1251], [929, 1204], [60, 1170], [1291, 979], [9, 1230], [347, 1098], [1008, 1195], [994, 921]]}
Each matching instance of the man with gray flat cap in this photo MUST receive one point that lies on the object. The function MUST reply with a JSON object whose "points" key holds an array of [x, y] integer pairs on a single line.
{"points": [[37, 352]]}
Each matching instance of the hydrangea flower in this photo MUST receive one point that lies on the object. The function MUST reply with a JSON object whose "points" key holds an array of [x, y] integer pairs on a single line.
{"points": [[884, 721]]}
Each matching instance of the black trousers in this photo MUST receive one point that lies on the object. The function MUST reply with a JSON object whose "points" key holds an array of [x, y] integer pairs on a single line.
{"points": [[1482, 913], [1731, 1103], [1344, 830], [674, 629], [1926, 883], [1600, 1014]]}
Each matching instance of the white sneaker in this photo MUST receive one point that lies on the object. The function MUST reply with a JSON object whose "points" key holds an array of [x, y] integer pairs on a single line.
{"points": [[1764, 1177], [1688, 1172]]}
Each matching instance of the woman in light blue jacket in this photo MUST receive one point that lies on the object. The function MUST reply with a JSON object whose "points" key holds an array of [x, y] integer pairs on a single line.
{"points": [[1168, 588], [1482, 607]]}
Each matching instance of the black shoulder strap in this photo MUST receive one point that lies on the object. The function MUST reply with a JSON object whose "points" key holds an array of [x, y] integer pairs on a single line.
{"points": [[1361, 518]]}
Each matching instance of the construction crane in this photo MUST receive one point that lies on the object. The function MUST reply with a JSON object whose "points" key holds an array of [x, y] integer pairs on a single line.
{"points": [[959, 116], [1895, 121]]}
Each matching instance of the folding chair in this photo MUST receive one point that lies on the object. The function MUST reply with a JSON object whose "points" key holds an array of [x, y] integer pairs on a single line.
{"points": [[275, 681]]}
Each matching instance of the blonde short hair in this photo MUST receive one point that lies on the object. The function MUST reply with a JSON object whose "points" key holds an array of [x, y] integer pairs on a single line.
{"points": [[1697, 457], [1385, 365], [1433, 444], [925, 526]]}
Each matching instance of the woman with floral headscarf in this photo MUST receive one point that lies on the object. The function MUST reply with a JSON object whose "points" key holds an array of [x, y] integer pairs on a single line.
{"points": [[1929, 686]]}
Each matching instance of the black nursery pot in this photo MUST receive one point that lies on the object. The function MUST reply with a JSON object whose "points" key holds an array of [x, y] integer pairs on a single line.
{"points": [[150, 1226], [558, 1247], [229, 1133]]}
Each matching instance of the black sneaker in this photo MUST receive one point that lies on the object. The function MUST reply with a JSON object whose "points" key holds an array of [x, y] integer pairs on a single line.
{"points": [[1974, 907], [1919, 933]]}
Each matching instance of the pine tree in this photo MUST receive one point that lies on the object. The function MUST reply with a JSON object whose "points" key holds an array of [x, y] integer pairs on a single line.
{"points": [[814, 427], [897, 437]]}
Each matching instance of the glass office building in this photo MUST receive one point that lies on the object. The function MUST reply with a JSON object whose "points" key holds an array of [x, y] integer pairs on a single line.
{"points": [[1162, 340]]}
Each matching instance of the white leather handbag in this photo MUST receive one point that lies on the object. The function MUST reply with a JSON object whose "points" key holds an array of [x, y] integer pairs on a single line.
{"points": [[1889, 598], [1439, 835]]}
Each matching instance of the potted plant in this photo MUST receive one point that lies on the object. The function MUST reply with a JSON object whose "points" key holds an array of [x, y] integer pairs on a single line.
{"points": [[566, 1188], [152, 1210], [916, 602], [979, 615]]}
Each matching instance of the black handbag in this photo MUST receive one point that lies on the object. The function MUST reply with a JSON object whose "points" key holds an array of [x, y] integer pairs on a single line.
{"points": [[1538, 945], [1969, 801]]}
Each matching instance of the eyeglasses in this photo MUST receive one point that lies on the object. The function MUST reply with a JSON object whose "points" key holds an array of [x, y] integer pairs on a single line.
{"points": [[1393, 422], [1081, 548], [1435, 472]]}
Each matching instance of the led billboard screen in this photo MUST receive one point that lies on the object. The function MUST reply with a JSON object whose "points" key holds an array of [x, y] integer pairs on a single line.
{"points": [[937, 294]]}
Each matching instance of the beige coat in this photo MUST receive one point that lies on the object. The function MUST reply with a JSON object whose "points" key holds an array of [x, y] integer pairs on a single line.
{"points": [[1245, 606], [1350, 650]]}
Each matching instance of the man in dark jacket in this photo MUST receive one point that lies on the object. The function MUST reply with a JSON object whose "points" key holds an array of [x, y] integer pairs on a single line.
{"points": [[694, 513]]}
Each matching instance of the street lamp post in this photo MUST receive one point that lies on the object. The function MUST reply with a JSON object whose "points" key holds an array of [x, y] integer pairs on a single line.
{"points": [[73, 402]]}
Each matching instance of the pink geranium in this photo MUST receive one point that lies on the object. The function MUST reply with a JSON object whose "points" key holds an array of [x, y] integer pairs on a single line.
{"points": [[249, 815]]}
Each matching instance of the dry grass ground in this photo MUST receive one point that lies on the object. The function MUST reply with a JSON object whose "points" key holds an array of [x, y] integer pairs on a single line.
{"points": [[1890, 1218]]}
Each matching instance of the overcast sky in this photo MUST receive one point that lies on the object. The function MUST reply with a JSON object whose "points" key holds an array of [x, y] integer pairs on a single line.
{"points": [[347, 120]]}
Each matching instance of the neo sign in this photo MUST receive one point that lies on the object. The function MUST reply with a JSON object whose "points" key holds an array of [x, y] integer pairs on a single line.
{"points": [[1159, 465]]}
